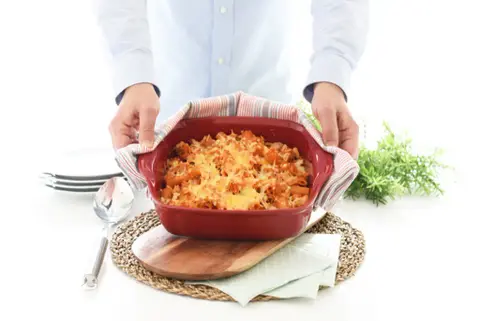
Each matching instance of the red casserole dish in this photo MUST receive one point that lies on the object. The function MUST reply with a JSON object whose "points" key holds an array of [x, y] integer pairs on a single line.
{"points": [[236, 224]]}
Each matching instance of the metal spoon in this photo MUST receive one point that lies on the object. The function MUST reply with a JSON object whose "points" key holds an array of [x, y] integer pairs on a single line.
{"points": [[112, 204]]}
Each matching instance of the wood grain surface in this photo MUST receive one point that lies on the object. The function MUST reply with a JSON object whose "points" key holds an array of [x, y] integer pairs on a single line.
{"points": [[194, 259]]}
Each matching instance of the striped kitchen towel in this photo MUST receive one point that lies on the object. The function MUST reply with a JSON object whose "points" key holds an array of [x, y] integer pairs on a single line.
{"points": [[345, 168]]}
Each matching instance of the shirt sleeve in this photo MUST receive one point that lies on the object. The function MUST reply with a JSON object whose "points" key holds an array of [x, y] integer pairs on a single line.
{"points": [[339, 35], [125, 28]]}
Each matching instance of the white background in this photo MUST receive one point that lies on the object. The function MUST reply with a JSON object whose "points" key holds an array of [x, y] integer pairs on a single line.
{"points": [[420, 72]]}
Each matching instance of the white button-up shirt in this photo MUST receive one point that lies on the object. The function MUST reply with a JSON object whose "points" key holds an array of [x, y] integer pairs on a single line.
{"points": [[193, 49]]}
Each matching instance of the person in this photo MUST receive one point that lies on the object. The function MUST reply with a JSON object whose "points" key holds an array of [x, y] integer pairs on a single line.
{"points": [[165, 53]]}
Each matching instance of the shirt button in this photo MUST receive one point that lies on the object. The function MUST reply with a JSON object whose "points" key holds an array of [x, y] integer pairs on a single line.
{"points": [[223, 9], [220, 61]]}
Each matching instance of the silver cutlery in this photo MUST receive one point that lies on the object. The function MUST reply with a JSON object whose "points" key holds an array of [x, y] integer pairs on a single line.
{"points": [[111, 204]]}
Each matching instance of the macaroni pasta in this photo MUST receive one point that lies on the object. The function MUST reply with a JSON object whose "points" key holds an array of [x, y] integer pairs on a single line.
{"points": [[235, 172]]}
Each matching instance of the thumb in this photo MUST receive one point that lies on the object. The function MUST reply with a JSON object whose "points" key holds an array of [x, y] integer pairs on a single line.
{"points": [[328, 121], [147, 116]]}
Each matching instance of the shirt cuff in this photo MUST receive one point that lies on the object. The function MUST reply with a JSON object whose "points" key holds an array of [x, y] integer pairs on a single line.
{"points": [[133, 68], [328, 68]]}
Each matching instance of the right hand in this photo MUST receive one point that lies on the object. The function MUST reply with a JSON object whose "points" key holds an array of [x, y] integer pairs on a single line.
{"points": [[137, 112]]}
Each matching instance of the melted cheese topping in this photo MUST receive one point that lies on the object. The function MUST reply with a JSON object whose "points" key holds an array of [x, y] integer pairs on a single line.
{"points": [[235, 172]]}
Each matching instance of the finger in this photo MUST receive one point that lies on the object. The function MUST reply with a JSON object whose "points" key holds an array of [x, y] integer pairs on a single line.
{"points": [[120, 140], [136, 123], [328, 120], [148, 116], [348, 132], [122, 134], [350, 145]]}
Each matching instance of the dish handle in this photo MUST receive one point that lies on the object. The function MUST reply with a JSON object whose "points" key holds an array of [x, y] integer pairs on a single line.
{"points": [[147, 166]]}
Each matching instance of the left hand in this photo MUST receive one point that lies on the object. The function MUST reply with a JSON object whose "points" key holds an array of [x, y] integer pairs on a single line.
{"points": [[338, 126]]}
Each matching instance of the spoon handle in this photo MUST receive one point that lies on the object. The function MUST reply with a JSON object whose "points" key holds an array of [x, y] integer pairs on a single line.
{"points": [[100, 256], [91, 280]]}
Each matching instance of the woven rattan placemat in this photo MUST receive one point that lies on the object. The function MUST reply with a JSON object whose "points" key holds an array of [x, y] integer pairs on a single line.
{"points": [[352, 252]]}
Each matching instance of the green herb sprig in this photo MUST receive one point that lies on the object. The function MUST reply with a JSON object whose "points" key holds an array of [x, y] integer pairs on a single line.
{"points": [[392, 169]]}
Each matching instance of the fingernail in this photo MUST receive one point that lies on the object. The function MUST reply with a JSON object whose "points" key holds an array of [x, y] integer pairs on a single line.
{"points": [[147, 145]]}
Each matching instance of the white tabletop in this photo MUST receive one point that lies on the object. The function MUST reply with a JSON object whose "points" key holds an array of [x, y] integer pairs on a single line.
{"points": [[420, 255]]}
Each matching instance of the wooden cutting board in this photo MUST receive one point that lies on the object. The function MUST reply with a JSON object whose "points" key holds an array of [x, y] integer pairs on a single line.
{"points": [[193, 259]]}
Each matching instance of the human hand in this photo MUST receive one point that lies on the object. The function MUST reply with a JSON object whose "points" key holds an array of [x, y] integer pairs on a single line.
{"points": [[136, 113], [338, 126]]}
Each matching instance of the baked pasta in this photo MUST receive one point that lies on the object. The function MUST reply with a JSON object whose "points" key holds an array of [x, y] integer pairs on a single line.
{"points": [[235, 172]]}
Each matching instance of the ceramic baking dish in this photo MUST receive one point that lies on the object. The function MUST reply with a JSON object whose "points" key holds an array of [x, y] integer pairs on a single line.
{"points": [[236, 224]]}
